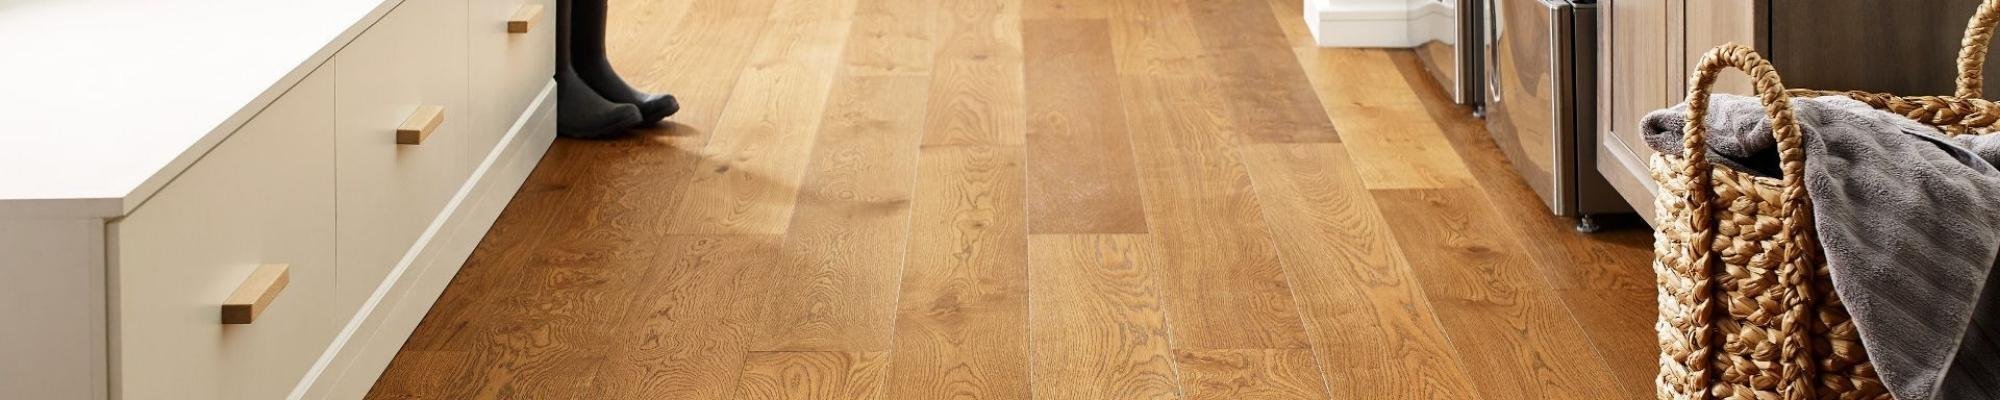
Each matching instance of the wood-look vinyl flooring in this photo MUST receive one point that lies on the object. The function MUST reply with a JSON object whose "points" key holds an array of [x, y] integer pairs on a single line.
{"points": [[1031, 199]]}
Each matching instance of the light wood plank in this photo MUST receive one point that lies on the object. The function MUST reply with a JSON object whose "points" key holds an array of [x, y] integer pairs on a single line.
{"points": [[1394, 142], [961, 326], [747, 181], [812, 376], [1079, 168], [1513, 333], [1283, 374], [1611, 296], [892, 37], [693, 49], [976, 93], [1246, 50], [1372, 327], [1096, 325], [835, 289], [1054, 9]]}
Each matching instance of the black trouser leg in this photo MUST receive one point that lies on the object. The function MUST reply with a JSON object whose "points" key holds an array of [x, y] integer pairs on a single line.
{"points": [[593, 65], [580, 111]]}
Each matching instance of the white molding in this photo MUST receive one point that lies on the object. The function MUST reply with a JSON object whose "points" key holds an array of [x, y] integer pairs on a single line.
{"points": [[349, 367], [1372, 23]]}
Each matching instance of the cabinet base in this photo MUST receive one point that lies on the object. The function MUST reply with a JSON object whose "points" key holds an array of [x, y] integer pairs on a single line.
{"points": [[349, 367]]}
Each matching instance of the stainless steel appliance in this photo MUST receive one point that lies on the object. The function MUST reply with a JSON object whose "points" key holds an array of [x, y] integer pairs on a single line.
{"points": [[1450, 51], [1541, 85]]}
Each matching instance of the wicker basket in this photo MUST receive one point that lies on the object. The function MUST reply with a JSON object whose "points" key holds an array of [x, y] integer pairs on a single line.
{"points": [[1747, 308]]}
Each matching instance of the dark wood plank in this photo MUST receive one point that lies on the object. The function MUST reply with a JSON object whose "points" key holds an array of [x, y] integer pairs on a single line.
{"points": [[1079, 167]]}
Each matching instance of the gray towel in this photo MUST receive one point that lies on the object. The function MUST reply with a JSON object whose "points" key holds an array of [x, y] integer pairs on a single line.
{"points": [[1910, 221]]}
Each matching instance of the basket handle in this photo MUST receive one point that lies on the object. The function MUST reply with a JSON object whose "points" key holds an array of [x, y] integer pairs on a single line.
{"points": [[1972, 49], [1797, 374], [1770, 91]]}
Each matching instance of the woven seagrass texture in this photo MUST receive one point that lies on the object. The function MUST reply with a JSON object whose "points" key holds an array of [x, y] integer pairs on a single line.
{"points": [[1746, 306]]}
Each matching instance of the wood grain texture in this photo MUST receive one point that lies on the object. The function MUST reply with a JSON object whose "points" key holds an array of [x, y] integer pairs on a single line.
{"points": [[1513, 333], [1281, 374], [1394, 142], [1098, 287], [835, 288], [1223, 282], [961, 326], [812, 376], [1080, 172], [750, 170], [1243, 43], [1055, 9], [1367, 314], [1613, 301], [892, 37], [873, 223], [976, 90], [686, 334]]}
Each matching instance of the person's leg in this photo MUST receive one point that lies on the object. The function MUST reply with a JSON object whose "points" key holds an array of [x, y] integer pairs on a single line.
{"points": [[594, 66], [580, 111]]}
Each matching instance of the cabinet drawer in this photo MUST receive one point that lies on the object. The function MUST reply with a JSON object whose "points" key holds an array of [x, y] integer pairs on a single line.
{"points": [[409, 63], [508, 68], [263, 196]]}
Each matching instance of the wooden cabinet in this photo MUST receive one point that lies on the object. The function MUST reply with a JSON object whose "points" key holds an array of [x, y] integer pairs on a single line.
{"points": [[1648, 46], [138, 294]]}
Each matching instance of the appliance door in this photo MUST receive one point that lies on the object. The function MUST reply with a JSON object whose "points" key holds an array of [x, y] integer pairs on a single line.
{"points": [[1528, 85], [1450, 51]]}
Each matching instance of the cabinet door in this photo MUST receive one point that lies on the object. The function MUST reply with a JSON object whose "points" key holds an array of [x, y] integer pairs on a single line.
{"points": [[391, 192], [1712, 23], [509, 66], [262, 196], [1634, 57]]}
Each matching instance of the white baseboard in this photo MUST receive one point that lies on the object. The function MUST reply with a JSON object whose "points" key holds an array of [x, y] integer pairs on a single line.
{"points": [[1365, 23], [364, 348]]}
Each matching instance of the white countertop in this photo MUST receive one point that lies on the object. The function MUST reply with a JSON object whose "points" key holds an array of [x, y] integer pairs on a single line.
{"points": [[104, 101]]}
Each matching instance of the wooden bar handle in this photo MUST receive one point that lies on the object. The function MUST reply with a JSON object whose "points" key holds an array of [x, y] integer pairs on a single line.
{"points": [[524, 18], [256, 293], [420, 125]]}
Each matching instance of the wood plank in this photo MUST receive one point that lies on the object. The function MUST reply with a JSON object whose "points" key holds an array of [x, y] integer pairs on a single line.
{"points": [[1281, 374], [686, 334], [1054, 9], [819, 375], [1224, 285], [835, 289], [1096, 326], [1394, 142], [1151, 38], [1372, 326], [1246, 50], [1604, 277], [976, 93], [961, 326], [892, 37], [421, 375], [693, 49], [748, 178], [1513, 333], [1079, 170], [1289, 14]]}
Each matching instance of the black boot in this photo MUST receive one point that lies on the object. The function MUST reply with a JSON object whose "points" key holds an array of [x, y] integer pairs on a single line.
{"points": [[580, 111], [587, 18]]}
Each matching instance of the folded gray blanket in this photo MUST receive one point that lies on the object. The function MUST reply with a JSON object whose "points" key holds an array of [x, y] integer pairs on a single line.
{"points": [[1910, 221]]}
